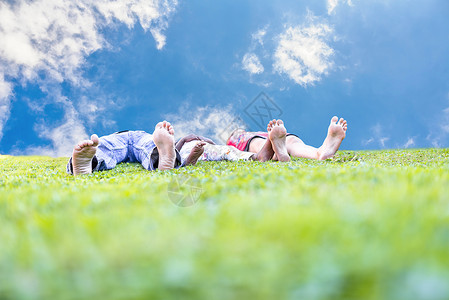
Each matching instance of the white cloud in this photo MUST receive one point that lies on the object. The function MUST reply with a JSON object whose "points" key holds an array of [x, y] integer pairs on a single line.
{"points": [[378, 137], [251, 63], [410, 142], [303, 53], [259, 35], [439, 130], [5, 102], [47, 41], [62, 137], [332, 4], [216, 123]]}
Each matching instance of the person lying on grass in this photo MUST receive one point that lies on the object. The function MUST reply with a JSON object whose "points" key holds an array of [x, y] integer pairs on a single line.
{"points": [[153, 151], [193, 148], [291, 144]]}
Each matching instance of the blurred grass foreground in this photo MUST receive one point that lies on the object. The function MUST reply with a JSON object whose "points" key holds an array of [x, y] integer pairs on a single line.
{"points": [[364, 225]]}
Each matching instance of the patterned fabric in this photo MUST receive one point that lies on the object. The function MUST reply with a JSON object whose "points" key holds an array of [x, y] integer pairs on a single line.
{"points": [[215, 152], [126, 146], [240, 138]]}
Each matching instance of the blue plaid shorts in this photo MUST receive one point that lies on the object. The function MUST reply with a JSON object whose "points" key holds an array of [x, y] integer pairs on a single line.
{"points": [[126, 146]]}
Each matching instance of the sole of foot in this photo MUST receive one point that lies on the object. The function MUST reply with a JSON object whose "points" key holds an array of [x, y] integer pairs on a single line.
{"points": [[195, 154], [163, 137], [335, 135], [277, 135], [82, 155]]}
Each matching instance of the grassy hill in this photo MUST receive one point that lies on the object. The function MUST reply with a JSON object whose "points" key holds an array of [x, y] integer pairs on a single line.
{"points": [[365, 225]]}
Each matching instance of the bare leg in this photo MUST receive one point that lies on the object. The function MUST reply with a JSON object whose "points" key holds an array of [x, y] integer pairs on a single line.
{"points": [[264, 147], [196, 152], [335, 135], [277, 135], [163, 137], [82, 155], [266, 152], [256, 144], [297, 148]]}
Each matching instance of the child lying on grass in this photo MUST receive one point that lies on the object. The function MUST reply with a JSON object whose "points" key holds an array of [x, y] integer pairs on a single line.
{"points": [[294, 146], [153, 151], [193, 148], [158, 151]]}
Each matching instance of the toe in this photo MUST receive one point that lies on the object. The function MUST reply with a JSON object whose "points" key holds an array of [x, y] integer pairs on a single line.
{"points": [[95, 140], [334, 119], [280, 122], [341, 121]]}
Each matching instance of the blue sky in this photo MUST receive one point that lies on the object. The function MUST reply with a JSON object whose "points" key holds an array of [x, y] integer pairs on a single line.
{"points": [[72, 68]]}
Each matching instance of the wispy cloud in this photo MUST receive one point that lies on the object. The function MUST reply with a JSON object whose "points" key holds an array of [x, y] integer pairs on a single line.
{"points": [[216, 123], [259, 35], [303, 53], [332, 5], [378, 137], [410, 143], [439, 132], [251, 63], [62, 137], [5, 102], [47, 41]]}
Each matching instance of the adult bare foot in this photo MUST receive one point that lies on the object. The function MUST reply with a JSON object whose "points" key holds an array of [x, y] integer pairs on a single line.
{"points": [[277, 135], [265, 154], [196, 152], [163, 137], [82, 155], [335, 135]]}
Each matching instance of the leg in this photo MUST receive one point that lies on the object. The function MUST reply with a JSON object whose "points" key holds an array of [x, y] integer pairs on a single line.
{"points": [[163, 137], [157, 150], [272, 148], [195, 153], [256, 144], [98, 154], [297, 148], [335, 135], [82, 156], [277, 135], [266, 151]]}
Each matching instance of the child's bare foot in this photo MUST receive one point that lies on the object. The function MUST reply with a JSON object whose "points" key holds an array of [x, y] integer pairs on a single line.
{"points": [[163, 137], [335, 135], [196, 152], [277, 135], [82, 155], [265, 154]]}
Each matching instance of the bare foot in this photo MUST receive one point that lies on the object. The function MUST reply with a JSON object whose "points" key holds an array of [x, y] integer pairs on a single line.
{"points": [[335, 135], [163, 137], [265, 154], [82, 155], [196, 152], [277, 135]]}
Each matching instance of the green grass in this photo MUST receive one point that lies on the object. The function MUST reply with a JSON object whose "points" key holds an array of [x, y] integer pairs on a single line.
{"points": [[366, 225]]}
